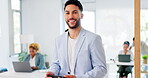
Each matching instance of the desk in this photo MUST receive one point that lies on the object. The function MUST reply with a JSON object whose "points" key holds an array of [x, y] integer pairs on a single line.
{"points": [[111, 62], [34, 74], [125, 63], [120, 63]]}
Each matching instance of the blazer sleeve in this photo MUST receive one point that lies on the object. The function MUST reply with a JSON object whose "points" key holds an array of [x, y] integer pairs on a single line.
{"points": [[98, 60], [55, 67], [42, 62]]}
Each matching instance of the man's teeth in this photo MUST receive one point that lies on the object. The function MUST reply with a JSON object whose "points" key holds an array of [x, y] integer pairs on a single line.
{"points": [[71, 20]]}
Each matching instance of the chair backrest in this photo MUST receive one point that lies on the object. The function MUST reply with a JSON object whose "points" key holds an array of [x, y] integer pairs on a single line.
{"points": [[47, 64]]}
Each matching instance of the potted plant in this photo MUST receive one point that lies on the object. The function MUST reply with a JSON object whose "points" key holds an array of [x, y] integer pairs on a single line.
{"points": [[22, 55], [145, 57]]}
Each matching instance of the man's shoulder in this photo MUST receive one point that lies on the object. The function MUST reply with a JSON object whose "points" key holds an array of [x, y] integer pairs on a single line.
{"points": [[88, 34], [60, 37], [142, 42], [92, 35]]}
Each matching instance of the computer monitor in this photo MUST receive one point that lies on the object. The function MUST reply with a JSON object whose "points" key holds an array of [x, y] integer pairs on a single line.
{"points": [[22, 67], [124, 58]]}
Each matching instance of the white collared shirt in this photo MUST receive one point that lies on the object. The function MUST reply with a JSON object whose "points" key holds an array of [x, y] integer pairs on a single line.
{"points": [[71, 50], [32, 61]]}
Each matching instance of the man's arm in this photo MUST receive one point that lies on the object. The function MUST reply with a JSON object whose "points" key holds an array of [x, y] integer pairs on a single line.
{"points": [[131, 46], [55, 67]]}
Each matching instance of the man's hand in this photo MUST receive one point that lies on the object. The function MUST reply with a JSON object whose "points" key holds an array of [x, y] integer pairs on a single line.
{"points": [[70, 76], [49, 73]]}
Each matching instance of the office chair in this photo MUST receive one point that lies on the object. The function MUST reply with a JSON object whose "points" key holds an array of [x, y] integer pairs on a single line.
{"points": [[129, 73]]}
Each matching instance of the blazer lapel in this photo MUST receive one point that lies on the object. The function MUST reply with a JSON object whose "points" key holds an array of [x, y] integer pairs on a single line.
{"points": [[65, 46], [80, 41]]}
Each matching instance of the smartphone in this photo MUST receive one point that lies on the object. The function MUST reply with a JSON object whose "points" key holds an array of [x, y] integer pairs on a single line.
{"points": [[56, 76]]}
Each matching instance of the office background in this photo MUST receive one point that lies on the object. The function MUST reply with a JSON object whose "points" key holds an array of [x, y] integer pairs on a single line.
{"points": [[114, 21]]}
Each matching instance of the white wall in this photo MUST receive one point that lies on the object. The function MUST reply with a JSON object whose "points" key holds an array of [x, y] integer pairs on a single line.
{"points": [[115, 24], [89, 6], [4, 34], [42, 18], [144, 4]]}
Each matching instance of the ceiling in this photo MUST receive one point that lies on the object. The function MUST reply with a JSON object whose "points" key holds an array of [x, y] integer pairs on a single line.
{"points": [[84, 1], [91, 1]]}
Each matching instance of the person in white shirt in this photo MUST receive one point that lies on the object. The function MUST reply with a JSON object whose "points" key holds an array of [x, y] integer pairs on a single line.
{"points": [[78, 52], [125, 70], [143, 51], [143, 47]]}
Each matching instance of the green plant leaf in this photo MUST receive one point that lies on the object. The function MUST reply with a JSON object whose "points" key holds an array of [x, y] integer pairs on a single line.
{"points": [[22, 55], [145, 56]]}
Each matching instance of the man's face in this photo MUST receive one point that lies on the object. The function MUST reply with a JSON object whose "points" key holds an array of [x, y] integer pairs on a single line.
{"points": [[73, 16]]}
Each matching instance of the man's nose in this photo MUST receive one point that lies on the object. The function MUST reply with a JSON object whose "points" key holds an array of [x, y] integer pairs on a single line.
{"points": [[71, 15]]}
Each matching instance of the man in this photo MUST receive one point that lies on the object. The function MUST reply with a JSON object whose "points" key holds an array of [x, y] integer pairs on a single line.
{"points": [[78, 52], [143, 47], [143, 51]]}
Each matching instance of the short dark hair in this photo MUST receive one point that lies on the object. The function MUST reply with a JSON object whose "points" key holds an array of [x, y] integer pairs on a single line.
{"points": [[133, 38], [74, 2], [126, 42]]}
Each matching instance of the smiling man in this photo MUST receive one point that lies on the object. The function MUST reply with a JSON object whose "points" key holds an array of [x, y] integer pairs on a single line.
{"points": [[78, 52]]}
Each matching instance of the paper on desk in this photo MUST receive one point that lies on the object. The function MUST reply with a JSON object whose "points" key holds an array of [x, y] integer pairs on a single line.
{"points": [[43, 71]]}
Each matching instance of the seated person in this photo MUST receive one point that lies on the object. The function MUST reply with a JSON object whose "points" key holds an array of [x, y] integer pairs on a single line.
{"points": [[36, 59], [125, 70]]}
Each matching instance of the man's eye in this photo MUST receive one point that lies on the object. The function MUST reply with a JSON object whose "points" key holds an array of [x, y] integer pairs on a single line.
{"points": [[75, 12], [66, 13]]}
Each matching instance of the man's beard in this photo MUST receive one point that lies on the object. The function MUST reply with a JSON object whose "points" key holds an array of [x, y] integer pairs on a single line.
{"points": [[76, 25]]}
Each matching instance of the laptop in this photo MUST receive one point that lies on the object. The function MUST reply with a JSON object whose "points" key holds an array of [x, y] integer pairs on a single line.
{"points": [[22, 67], [124, 58]]}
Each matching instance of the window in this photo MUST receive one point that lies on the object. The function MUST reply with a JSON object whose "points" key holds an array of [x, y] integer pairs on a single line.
{"points": [[16, 19], [88, 21], [144, 25]]}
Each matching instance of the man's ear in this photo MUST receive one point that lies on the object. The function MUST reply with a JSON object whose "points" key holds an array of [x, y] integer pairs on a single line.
{"points": [[82, 16]]}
